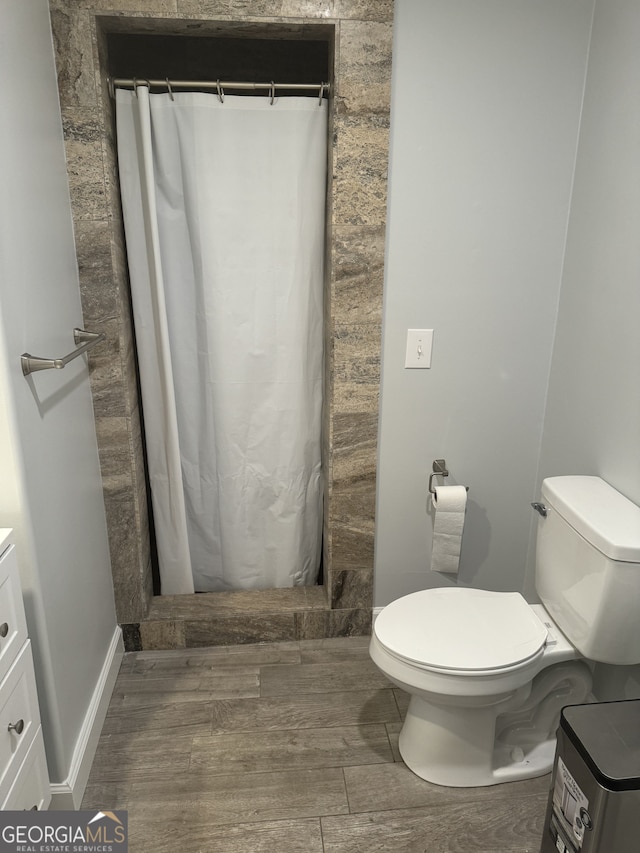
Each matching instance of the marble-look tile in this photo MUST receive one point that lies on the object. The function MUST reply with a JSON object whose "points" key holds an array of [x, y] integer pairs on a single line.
{"points": [[218, 24], [394, 786], [353, 396], [124, 544], [93, 249], [147, 586], [350, 623], [358, 271], [83, 132], [330, 677], [364, 10], [208, 799], [229, 630], [86, 182], [129, 362], [105, 373], [241, 602], [120, 265], [352, 529], [256, 8], [354, 449], [265, 836], [360, 169], [137, 467], [511, 826], [312, 624], [352, 505], [352, 588], [283, 750], [352, 547], [364, 67], [150, 7], [162, 635], [356, 356], [74, 55], [312, 9], [131, 636], [305, 711], [82, 124], [114, 449], [111, 174]]}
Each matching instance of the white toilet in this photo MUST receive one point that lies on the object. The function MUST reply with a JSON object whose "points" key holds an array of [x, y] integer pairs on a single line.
{"points": [[488, 673]]}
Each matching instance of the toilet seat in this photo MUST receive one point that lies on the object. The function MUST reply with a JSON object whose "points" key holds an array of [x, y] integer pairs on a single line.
{"points": [[461, 631]]}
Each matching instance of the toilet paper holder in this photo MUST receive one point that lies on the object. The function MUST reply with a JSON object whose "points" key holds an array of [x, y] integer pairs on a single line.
{"points": [[439, 470]]}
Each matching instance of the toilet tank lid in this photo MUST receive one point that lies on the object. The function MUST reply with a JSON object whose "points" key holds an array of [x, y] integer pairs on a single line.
{"points": [[599, 513]]}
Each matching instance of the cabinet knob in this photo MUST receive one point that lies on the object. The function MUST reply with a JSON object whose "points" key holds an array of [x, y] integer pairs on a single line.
{"points": [[18, 727], [4, 630]]}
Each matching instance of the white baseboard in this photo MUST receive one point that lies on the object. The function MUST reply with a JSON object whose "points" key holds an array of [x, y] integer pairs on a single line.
{"points": [[68, 794]]}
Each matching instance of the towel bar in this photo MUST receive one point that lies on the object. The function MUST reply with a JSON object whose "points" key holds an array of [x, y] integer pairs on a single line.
{"points": [[31, 363]]}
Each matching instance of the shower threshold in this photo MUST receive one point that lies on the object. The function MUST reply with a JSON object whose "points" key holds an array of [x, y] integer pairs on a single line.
{"points": [[231, 618]]}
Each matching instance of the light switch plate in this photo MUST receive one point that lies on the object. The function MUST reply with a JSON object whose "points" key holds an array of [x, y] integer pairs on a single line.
{"points": [[419, 345]]}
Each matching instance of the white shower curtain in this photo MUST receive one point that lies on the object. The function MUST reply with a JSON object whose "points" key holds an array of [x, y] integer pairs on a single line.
{"points": [[224, 205]]}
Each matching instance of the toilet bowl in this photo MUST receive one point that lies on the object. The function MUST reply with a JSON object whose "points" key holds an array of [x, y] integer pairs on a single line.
{"points": [[488, 673]]}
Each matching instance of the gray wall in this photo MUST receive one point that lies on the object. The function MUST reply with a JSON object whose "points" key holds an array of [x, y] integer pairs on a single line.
{"points": [[592, 422], [51, 489], [486, 100]]}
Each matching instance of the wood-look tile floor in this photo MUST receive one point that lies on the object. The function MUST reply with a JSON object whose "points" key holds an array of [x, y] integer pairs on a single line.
{"points": [[285, 748]]}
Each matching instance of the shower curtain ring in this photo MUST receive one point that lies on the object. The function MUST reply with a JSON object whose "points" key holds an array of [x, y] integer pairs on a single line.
{"points": [[220, 91], [320, 95], [272, 93], [141, 82], [170, 90]]}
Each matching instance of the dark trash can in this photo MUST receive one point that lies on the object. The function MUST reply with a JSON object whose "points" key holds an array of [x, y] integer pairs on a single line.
{"points": [[594, 803]]}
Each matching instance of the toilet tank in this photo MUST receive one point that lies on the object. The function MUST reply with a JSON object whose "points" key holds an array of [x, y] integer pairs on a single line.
{"points": [[588, 567]]}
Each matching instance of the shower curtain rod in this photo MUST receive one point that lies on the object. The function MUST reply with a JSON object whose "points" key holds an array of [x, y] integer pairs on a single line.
{"points": [[218, 85]]}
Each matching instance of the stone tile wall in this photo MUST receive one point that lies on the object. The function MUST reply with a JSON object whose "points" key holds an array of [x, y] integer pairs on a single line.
{"points": [[356, 225]]}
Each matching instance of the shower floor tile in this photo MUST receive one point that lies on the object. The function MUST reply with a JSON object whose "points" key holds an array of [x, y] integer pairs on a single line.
{"points": [[285, 747]]}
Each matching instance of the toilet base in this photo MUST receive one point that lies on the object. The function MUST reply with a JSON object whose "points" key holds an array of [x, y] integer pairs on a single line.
{"points": [[491, 740], [456, 747]]}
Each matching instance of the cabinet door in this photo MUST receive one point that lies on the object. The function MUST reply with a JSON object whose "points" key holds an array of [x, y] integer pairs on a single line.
{"points": [[19, 717], [13, 627], [31, 788]]}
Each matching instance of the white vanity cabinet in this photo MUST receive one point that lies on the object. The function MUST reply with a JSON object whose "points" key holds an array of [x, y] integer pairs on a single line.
{"points": [[24, 780]]}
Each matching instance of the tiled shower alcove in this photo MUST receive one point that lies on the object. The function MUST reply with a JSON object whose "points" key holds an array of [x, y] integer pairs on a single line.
{"points": [[359, 34]]}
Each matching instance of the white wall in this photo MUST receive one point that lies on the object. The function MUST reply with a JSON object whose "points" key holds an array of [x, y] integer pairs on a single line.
{"points": [[485, 115], [51, 489]]}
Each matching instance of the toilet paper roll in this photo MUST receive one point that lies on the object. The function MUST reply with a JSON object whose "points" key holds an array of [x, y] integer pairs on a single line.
{"points": [[450, 504]]}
